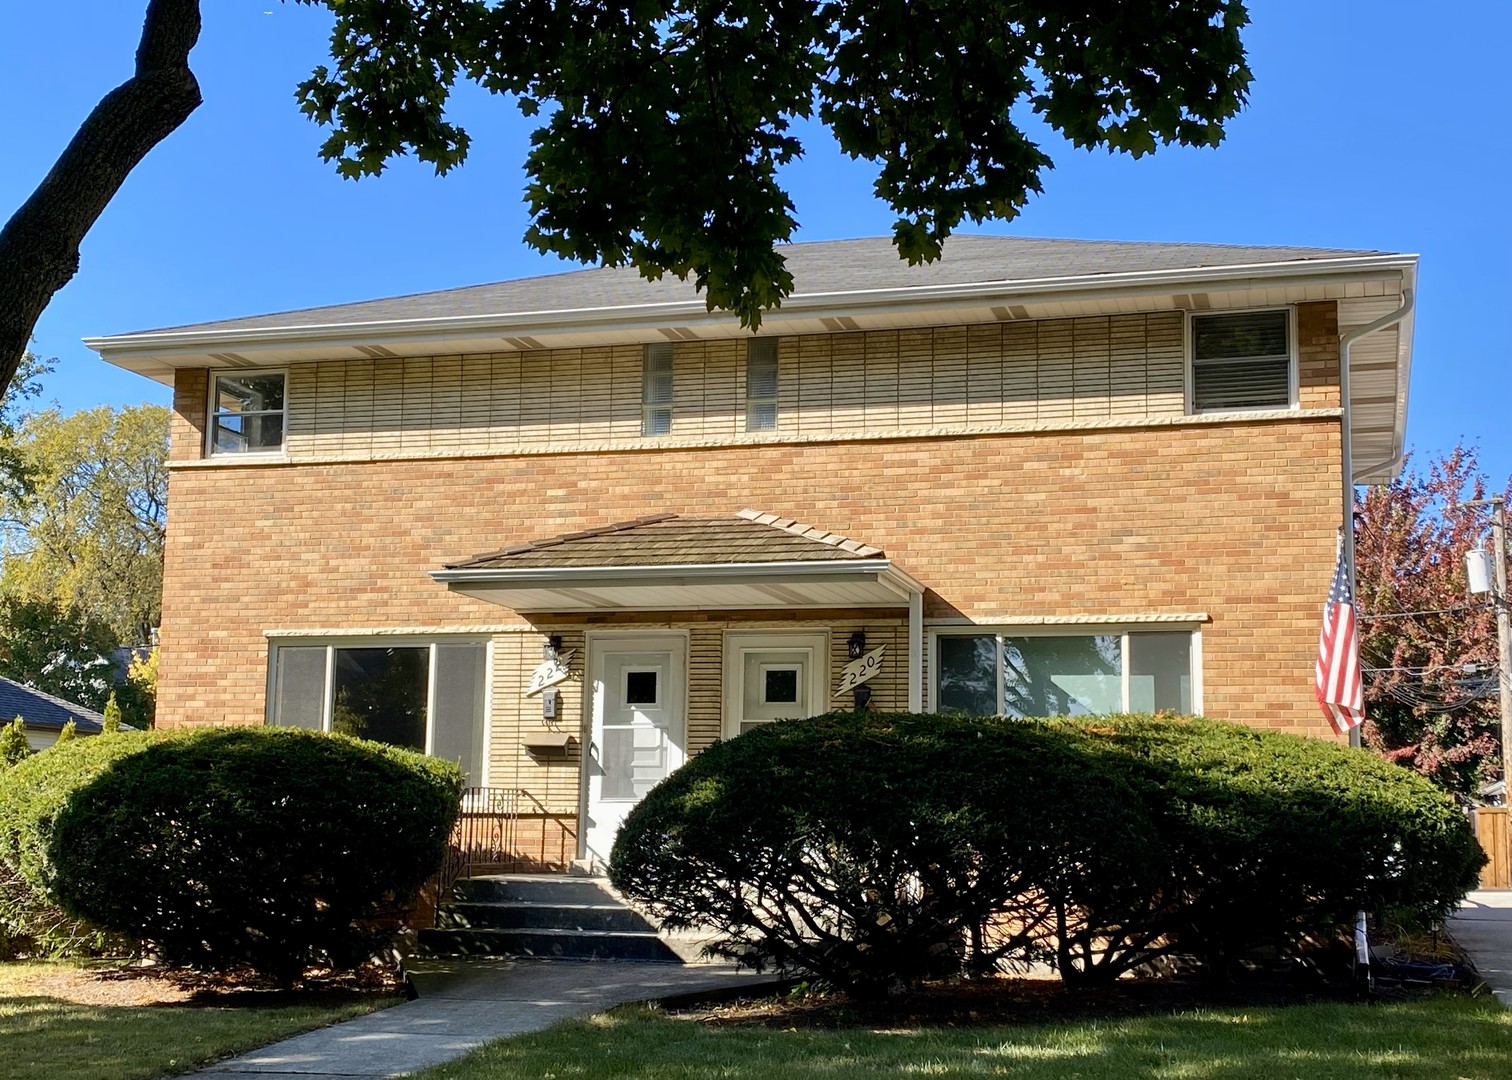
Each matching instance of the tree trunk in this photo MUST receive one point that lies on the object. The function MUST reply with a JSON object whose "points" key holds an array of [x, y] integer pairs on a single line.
{"points": [[39, 246]]}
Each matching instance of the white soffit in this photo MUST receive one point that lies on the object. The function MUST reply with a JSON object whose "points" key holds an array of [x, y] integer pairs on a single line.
{"points": [[854, 583]]}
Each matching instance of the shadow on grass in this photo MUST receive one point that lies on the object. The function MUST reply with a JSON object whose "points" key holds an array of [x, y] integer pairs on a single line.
{"points": [[1429, 1039]]}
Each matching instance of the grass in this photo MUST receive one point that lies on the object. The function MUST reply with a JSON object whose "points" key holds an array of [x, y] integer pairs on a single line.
{"points": [[1448, 1037], [46, 1032]]}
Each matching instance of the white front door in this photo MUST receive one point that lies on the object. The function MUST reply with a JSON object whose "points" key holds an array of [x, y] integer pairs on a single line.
{"points": [[639, 690], [774, 676]]}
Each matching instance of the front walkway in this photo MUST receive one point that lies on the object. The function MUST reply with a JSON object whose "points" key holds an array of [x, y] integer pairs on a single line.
{"points": [[464, 1004], [1483, 928]]}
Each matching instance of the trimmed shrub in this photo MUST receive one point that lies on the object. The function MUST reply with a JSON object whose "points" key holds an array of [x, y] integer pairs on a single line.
{"points": [[875, 849], [14, 748], [229, 847], [1268, 839]]}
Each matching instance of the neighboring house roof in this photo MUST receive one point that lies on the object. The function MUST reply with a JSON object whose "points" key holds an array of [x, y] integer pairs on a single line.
{"points": [[832, 266], [44, 712], [670, 540]]}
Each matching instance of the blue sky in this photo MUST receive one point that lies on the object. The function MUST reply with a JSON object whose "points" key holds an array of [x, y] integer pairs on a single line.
{"points": [[1371, 125]]}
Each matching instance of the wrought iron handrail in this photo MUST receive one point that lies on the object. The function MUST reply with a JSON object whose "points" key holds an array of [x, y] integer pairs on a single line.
{"points": [[489, 839]]}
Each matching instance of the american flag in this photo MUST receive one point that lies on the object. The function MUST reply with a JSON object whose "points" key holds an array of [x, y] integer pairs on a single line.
{"points": [[1341, 691]]}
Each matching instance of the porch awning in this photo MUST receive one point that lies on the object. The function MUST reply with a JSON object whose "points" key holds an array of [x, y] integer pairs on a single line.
{"points": [[672, 563]]}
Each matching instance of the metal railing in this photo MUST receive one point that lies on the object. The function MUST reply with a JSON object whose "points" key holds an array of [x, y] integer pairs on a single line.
{"points": [[507, 831]]}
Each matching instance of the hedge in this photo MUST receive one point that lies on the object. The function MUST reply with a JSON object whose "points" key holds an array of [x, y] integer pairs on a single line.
{"points": [[230, 847], [875, 849]]}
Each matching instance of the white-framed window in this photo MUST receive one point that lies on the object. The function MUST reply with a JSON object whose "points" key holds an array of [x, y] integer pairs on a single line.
{"points": [[1041, 671], [761, 384], [1242, 360], [656, 389], [423, 694], [247, 412]]}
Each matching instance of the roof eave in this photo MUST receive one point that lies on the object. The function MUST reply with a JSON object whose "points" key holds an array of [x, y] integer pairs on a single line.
{"points": [[120, 349]]}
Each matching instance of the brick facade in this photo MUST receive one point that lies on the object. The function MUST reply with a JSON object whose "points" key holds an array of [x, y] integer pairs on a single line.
{"points": [[1237, 520]]}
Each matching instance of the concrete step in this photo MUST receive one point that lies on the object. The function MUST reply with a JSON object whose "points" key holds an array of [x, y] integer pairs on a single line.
{"points": [[543, 943], [535, 889], [514, 915]]}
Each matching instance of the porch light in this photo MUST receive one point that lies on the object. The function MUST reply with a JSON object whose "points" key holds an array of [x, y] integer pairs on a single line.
{"points": [[856, 645]]}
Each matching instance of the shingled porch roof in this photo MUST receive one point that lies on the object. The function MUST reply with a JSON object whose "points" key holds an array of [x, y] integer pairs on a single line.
{"points": [[670, 562]]}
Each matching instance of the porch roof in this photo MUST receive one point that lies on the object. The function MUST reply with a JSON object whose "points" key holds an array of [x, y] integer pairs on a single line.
{"points": [[672, 563]]}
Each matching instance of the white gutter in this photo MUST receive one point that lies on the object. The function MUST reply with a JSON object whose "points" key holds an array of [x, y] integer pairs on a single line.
{"points": [[575, 576], [849, 301], [1346, 439]]}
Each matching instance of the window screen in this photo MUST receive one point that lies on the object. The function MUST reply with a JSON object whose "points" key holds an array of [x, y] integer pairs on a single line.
{"points": [[1241, 361], [656, 390], [761, 384], [967, 679], [457, 733], [299, 694]]}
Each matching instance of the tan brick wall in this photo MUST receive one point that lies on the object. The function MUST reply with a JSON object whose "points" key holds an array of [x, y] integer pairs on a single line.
{"points": [[1237, 520]]}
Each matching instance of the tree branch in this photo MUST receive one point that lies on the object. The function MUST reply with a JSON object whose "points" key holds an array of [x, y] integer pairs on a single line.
{"points": [[39, 246]]}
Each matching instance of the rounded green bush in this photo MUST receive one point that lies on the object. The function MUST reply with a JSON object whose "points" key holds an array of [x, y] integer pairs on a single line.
{"points": [[873, 849], [1272, 838], [230, 847]]}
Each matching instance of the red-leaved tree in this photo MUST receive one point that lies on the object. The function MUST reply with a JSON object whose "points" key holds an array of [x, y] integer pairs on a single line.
{"points": [[1428, 646]]}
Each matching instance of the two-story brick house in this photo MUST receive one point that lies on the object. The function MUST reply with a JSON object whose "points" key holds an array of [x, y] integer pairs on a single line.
{"points": [[579, 518]]}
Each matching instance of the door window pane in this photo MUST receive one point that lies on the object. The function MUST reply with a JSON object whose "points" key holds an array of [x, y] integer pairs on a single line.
{"points": [[458, 720], [640, 688], [380, 694], [1160, 672], [299, 696], [781, 686], [1062, 676], [968, 675]]}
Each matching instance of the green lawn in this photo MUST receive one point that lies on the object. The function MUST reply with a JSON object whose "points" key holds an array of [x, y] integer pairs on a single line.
{"points": [[1442, 1038], [44, 1036]]}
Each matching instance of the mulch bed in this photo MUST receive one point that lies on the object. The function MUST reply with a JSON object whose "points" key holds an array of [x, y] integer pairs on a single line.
{"points": [[149, 985]]}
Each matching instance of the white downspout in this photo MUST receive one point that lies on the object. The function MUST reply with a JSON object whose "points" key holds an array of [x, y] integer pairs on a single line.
{"points": [[1346, 439], [916, 652]]}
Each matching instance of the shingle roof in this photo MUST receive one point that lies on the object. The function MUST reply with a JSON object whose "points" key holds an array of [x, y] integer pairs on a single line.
{"points": [[826, 267], [43, 712], [669, 540]]}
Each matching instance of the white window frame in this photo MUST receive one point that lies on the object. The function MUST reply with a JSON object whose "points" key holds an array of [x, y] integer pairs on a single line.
{"points": [[1003, 630], [1189, 351], [370, 641], [647, 406], [739, 642], [212, 411]]}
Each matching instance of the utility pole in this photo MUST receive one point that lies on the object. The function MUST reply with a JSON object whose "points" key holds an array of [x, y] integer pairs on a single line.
{"points": [[1498, 506]]}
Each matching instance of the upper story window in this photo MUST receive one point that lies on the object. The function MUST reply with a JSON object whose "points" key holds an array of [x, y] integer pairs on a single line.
{"points": [[248, 413], [761, 384], [1241, 361], [656, 390], [1065, 674]]}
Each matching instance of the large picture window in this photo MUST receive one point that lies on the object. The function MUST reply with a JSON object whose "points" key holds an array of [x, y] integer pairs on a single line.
{"points": [[1065, 674], [425, 696], [247, 413]]}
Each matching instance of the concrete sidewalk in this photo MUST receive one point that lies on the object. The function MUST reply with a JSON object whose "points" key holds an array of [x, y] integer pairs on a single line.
{"points": [[464, 1004], [1483, 928]]}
